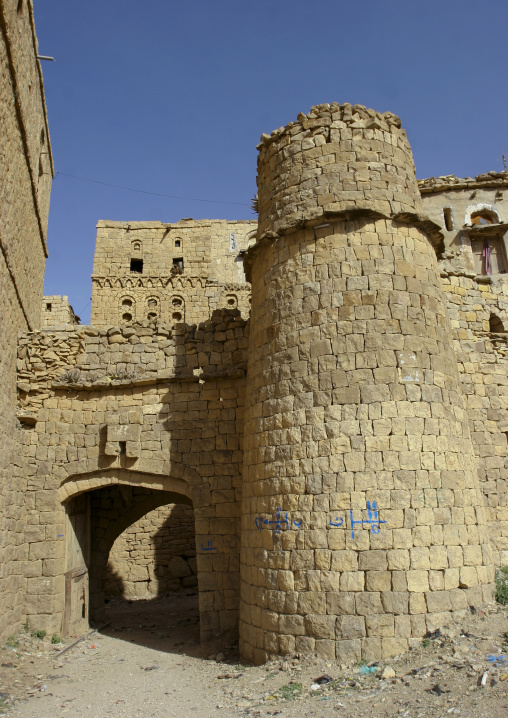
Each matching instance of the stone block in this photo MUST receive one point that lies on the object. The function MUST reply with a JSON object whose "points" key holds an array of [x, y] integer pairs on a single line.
{"points": [[292, 625], [348, 627], [123, 432], [348, 651], [417, 581], [380, 625], [320, 626]]}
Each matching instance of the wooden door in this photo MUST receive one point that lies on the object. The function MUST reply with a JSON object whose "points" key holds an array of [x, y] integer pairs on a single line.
{"points": [[77, 560]]}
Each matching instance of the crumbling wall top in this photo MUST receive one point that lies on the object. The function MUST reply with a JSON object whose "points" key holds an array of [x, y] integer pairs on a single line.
{"points": [[335, 160], [445, 182]]}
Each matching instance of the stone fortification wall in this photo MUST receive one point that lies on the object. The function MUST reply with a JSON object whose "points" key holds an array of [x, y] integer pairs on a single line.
{"points": [[155, 555], [57, 312], [93, 359], [174, 427], [25, 181], [477, 305], [362, 519], [182, 272], [483, 364]]}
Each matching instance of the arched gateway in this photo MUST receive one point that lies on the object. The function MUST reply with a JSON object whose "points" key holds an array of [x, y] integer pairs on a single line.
{"points": [[98, 508]]}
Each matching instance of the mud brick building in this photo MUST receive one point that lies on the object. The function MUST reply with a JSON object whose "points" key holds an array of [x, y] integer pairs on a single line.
{"points": [[306, 415]]}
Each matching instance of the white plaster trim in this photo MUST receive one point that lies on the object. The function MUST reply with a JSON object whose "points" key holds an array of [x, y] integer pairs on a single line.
{"points": [[478, 208]]}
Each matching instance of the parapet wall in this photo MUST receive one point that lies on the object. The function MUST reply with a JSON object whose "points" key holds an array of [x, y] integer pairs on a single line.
{"points": [[93, 359]]}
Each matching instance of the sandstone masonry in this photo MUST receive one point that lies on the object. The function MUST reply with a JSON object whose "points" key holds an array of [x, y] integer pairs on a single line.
{"points": [[26, 171], [171, 273], [329, 464], [57, 312]]}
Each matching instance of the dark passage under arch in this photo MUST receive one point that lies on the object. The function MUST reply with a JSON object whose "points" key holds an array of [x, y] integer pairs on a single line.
{"points": [[95, 520]]}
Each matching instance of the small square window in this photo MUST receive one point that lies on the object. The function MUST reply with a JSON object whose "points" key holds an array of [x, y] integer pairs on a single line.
{"points": [[178, 264], [48, 306], [137, 265], [178, 243]]}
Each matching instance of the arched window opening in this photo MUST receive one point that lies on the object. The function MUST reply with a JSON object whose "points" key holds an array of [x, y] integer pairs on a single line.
{"points": [[127, 317], [483, 217], [178, 243], [152, 316], [136, 246], [127, 302], [19, 9], [496, 325], [177, 316], [177, 302], [152, 302]]}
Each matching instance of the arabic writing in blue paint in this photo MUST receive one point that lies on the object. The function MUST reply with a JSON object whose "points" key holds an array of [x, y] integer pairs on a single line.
{"points": [[209, 546], [374, 520], [337, 523], [281, 521]]}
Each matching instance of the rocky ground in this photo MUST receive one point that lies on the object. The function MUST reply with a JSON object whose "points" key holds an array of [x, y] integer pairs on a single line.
{"points": [[148, 662]]}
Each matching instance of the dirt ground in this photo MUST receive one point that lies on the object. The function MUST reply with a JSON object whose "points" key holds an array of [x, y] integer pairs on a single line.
{"points": [[148, 662]]}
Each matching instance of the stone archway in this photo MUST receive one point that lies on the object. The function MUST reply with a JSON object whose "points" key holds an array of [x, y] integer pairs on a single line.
{"points": [[99, 507], [103, 537], [181, 480]]}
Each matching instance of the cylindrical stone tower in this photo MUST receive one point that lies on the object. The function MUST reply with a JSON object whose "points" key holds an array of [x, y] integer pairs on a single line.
{"points": [[363, 524]]}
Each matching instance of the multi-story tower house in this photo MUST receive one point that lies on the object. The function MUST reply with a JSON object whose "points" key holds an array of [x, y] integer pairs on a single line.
{"points": [[169, 273]]}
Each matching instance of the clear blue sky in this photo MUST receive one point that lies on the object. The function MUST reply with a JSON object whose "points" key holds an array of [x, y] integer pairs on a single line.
{"points": [[171, 97]]}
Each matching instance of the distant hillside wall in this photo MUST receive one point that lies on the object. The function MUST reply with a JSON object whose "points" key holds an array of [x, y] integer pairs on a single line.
{"points": [[25, 180]]}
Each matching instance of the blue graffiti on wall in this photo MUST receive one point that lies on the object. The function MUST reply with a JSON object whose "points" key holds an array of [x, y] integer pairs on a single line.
{"points": [[281, 522], [209, 546]]}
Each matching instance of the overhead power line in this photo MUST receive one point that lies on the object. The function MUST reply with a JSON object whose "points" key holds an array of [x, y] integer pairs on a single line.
{"points": [[155, 194]]}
